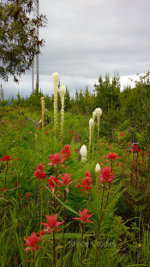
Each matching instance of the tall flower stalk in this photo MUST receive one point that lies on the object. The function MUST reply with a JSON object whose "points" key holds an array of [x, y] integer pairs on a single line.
{"points": [[91, 128], [43, 111], [51, 226], [62, 92], [97, 113], [55, 80], [83, 219]]}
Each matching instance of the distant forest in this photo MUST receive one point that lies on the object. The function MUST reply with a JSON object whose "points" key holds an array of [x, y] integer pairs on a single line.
{"points": [[127, 110]]}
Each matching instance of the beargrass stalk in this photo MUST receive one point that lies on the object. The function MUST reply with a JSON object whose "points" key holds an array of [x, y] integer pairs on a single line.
{"points": [[91, 127], [62, 92], [55, 80], [98, 113]]}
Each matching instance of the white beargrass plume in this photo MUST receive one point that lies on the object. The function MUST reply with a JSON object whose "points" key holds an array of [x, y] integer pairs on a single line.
{"points": [[97, 171], [43, 111], [97, 168], [98, 113], [55, 80], [91, 128], [94, 115], [62, 91], [83, 153]]}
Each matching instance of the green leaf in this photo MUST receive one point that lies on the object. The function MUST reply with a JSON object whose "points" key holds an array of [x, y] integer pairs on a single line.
{"points": [[62, 203]]}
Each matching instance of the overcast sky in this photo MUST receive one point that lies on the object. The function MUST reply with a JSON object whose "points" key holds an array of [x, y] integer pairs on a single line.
{"points": [[86, 38]]}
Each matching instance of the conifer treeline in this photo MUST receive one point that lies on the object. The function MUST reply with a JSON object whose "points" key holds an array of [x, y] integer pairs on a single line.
{"points": [[127, 110]]}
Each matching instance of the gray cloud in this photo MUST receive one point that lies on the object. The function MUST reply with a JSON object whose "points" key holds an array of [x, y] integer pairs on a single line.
{"points": [[87, 38]]}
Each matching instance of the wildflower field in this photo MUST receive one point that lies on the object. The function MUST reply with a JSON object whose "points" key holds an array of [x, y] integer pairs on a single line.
{"points": [[71, 201]]}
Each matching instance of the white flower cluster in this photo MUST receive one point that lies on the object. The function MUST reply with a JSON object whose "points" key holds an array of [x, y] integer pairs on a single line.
{"points": [[83, 153], [96, 114], [62, 92]]}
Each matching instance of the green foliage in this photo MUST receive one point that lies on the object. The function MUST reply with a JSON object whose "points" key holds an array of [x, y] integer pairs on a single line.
{"points": [[123, 239]]}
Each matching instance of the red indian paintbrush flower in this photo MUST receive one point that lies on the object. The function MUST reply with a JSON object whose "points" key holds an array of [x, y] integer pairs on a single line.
{"points": [[66, 152], [66, 181], [6, 158], [40, 166], [53, 183], [112, 156], [84, 217], [31, 242], [85, 186], [56, 159], [106, 175], [39, 173], [51, 225]]}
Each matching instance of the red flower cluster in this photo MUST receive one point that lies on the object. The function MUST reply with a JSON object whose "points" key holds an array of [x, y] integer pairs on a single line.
{"points": [[55, 159], [135, 149], [106, 175], [32, 241], [112, 156], [84, 216], [66, 181], [39, 173], [53, 183], [85, 186], [6, 158], [51, 225], [66, 151]]}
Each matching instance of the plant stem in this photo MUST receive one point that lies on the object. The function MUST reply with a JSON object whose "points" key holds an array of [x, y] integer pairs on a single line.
{"points": [[107, 197], [6, 173], [54, 244], [101, 214], [63, 228], [136, 171], [33, 259], [83, 227]]}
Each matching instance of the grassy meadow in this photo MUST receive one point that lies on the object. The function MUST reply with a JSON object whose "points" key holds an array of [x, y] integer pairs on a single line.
{"points": [[40, 177]]}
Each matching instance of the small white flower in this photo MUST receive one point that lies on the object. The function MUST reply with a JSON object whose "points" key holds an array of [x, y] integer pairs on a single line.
{"points": [[97, 168]]}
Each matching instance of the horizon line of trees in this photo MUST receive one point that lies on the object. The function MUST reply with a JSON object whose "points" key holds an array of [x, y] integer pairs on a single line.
{"points": [[127, 110]]}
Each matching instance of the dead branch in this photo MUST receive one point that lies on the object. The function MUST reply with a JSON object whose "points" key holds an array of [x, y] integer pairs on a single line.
{"points": [[39, 123]]}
